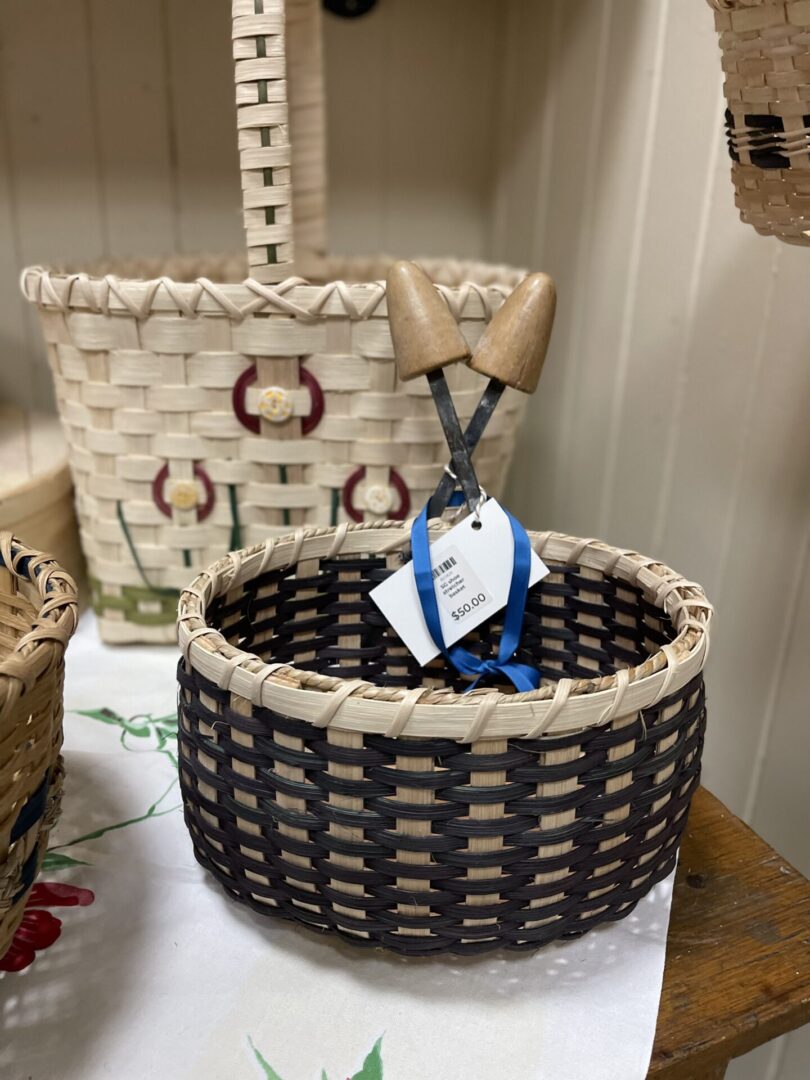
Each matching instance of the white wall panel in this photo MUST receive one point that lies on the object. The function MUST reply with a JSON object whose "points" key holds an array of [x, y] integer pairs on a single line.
{"points": [[202, 130], [672, 416], [131, 105], [412, 122], [549, 224]]}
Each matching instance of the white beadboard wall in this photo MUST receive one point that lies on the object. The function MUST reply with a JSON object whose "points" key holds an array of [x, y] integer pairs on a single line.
{"points": [[581, 137]]}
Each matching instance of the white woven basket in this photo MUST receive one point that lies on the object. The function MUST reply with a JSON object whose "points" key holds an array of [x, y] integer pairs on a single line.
{"points": [[202, 417]]}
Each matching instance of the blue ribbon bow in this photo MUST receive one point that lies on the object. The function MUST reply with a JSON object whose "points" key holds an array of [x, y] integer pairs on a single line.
{"points": [[521, 675]]}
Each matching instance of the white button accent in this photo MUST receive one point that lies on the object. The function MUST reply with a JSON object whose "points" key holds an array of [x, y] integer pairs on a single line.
{"points": [[379, 498], [275, 404]]}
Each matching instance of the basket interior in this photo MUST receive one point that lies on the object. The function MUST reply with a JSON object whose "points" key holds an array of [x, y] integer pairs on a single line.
{"points": [[317, 616], [19, 605]]}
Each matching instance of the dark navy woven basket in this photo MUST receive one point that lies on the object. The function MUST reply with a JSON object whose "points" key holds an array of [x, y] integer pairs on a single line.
{"points": [[328, 779]]}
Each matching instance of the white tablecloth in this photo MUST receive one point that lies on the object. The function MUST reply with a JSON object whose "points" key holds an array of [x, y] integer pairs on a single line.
{"points": [[164, 977]]}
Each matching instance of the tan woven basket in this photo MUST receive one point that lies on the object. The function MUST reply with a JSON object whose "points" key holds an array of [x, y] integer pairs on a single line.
{"points": [[328, 779], [36, 492], [204, 416], [37, 618], [766, 60]]}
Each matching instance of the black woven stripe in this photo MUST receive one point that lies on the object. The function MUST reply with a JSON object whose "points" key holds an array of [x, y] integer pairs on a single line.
{"points": [[295, 830], [765, 140]]}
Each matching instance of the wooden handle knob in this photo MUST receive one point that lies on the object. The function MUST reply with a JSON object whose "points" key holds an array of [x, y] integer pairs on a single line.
{"points": [[513, 346], [426, 336]]}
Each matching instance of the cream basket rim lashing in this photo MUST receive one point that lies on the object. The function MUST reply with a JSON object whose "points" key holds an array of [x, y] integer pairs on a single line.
{"points": [[360, 706], [481, 287]]}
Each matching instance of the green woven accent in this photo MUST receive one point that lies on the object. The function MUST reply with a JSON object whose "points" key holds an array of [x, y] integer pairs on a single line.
{"points": [[132, 601], [134, 598], [236, 525], [335, 505], [152, 590], [282, 475]]}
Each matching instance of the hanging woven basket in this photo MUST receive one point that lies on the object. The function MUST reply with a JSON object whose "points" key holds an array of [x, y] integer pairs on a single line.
{"points": [[766, 61], [38, 610], [207, 409], [330, 780]]}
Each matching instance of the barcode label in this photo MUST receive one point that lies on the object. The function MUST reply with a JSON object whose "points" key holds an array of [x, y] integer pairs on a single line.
{"points": [[442, 568], [471, 576]]}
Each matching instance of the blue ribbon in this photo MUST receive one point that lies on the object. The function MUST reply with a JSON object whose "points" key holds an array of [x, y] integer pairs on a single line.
{"points": [[521, 675]]}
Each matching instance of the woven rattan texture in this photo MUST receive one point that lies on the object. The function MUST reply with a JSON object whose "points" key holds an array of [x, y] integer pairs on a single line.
{"points": [[202, 417], [263, 124], [429, 845], [766, 60], [278, 68], [37, 617]]}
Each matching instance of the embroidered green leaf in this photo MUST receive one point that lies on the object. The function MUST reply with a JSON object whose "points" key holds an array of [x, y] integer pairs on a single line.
{"points": [[269, 1072], [106, 716], [372, 1066], [152, 812], [140, 732], [169, 722], [143, 726], [55, 860]]}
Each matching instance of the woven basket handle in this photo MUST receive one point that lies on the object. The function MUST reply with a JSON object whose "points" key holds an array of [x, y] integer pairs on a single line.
{"points": [[278, 72]]}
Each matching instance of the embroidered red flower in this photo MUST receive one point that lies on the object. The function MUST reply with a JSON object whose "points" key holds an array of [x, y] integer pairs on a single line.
{"points": [[39, 929]]}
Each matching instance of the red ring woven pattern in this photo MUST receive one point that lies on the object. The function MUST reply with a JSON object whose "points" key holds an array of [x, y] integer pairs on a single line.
{"points": [[428, 845], [162, 476], [397, 483], [252, 421]]}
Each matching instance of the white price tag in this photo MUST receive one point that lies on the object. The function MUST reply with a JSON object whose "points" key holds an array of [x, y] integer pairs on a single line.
{"points": [[472, 573]]}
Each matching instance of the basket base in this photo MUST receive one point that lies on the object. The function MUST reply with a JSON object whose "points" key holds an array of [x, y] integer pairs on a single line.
{"points": [[429, 947], [533, 888]]}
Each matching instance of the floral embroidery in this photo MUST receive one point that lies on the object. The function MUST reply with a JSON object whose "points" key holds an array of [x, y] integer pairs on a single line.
{"points": [[139, 733], [39, 929], [372, 1068]]}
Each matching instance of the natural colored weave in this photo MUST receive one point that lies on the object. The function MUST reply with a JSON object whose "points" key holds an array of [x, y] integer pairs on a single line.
{"points": [[166, 474], [766, 60], [328, 779], [280, 105], [36, 491], [37, 618], [204, 416]]}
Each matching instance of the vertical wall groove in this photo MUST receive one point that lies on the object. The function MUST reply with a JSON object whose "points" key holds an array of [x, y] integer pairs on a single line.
{"points": [[95, 126], [754, 389], [549, 106], [683, 360], [582, 230], [642, 198], [171, 124]]}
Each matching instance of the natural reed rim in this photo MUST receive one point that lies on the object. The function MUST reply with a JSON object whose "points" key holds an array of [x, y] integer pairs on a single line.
{"points": [[570, 704]]}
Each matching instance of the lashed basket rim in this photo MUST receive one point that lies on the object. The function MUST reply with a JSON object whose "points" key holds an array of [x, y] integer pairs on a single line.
{"points": [[478, 289], [55, 621], [361, 706]]}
